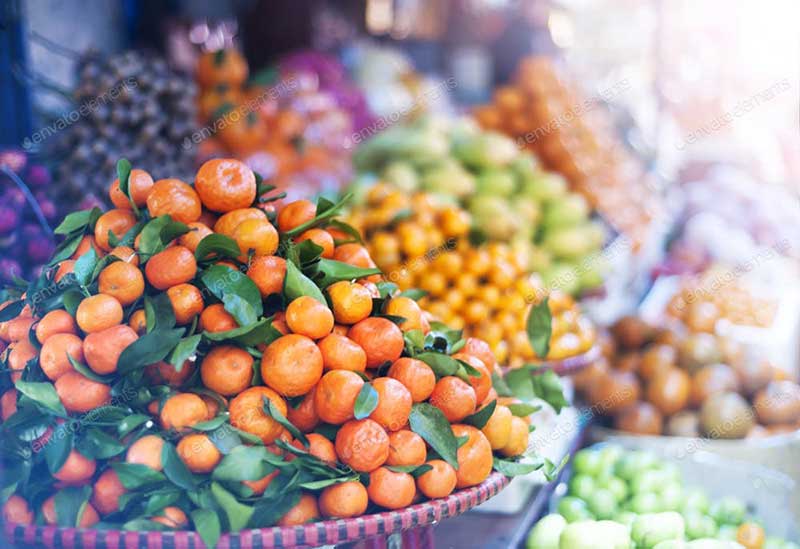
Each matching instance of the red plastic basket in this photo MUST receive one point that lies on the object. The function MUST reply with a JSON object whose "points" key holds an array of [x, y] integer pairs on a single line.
{"points": [[412, 525]]}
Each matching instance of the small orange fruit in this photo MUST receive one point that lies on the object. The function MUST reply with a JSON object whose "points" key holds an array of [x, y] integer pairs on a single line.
{"points": [[268, 273], [187, 302], [305, 511], [183, 410], [480, 383], [227, 370], [256, 235], [197, 232], [380, 338], [98, 312], [417, 377], [307, 316], [117, 222], [391, 490], [122, 281], [172, 517], [362, 444], [198, 453], [23, 351], [304, 416], [291, 365], [228, 222], [8, 404], [87, 519], [498, 428], [106, 492], [81, 394], [138, 321], [175, 198], [351, 301], [394, 403], [171, 267], [258, 486], [55, 322], [64, 268], [139, 186], [517, 438], [321, 238], [164, 373], [342, 353], [53, 355], [344, 500], [319, 447], [102, 349], [16, 510], [406, 448], [76, 470], [474, 456], [215, 318], [296, 213], [336, 394], [83, 246], [407, 308], [247, 413], [225, 184], [353, 254], [439, 482], [481, 350], [454, 397], [126, 254], [146, 451]]}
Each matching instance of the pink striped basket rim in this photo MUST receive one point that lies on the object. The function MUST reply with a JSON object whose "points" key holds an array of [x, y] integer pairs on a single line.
{"points": [[329, 532]]}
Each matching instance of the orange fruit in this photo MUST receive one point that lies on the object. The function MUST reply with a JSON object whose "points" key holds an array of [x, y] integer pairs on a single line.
{"points": [[481, 383], [291, 365], [256, 235], [229, 221], [268, 273], [126, 254], [164, 373], [517, 439], [362, 444], [146, 451], [341, 353], [139, 186], [173, 517], [454, 397], [122, 281], [304, 415], [175, 198], [173, 266], [8, 404], [394, 403], [439, 482], [55, 322], [221, 67], [296, 213], [117, 222], [407, 308], [320, 447], [380, 338], [750, 535], [98, 312], [83, 246], [53, 355], [307, 316], [23, 351], [247, 413], [391, 490], [474, 456], [353, 254], [258, 486], [187, 302], [102, 349], [197, 232], [88, 518], [198, 453], [481, 350], [106, 492], [335, 396], [279, 323], [80, 394], [344, 500], [76, 470], [498, 429], [18, 329], [406, 448], [213, 405], [417, 377], [16, 509], [215, 318], [183, 410], [64, 268], [225, 184], [227, 370], [321, 238], [351, 301], [138, 321], [304, 511]]}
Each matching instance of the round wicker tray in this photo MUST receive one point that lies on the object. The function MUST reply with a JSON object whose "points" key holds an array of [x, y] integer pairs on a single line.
{"points": [[377, 526]]}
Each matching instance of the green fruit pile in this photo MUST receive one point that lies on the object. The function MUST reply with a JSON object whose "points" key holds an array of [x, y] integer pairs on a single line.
{"points": [[509, 196], [633, 500]]}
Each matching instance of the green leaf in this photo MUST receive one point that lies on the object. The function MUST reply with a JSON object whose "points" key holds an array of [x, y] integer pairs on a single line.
{"points": [[386, 289], [78, 221], [185, 348], [12, 310], [269, 510], [414, 294], [206, 523], [482, 416], [261, 332], [211, 424], [71, 299], [366, 402], [148, 349], [243, 463], [131, 422], [335, 271], [523, 409], [326, 210], [85, 371], [158, 500], [43, 393], [324, 483], [84, 266], [158, 312], [159, 232], [296, 284], [57, 448], [539, 327], [547, 386], [104, 262], [174, 468], [99, 445], [441, 364], [516, 468], [238, 293], [520, 382], [238, 513], [218, 245], [226, 438], [70, 504], [414, 342], [500, 385], [135, 475], [551, 470], [349, 230], [415, 470], [272, 410], [429, 422]]}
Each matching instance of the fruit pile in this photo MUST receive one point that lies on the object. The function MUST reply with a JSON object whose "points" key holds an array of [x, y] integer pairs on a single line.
{"points": [[654, 381], [187, 358], [26, 212], [510, 198], [420, 242], [571, 135], [130, 103], [624, 499], [283, 124]]}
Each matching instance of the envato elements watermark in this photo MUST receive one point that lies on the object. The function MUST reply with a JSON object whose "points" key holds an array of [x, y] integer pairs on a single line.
{"points": [[574, 112], [234, 115], [741, 109], [69, 118], [383, 122]]}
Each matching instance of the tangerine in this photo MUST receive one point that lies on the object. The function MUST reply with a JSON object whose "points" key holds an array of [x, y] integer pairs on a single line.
{"points": [[215, 318], [406, 448], [98, 312], [380, 338], [319, 447], [229, 221], [122, 281], [304, 511], [126, 254], [116, 222], [138, 321], [304, 415], [406, 308], [64, 268], [16, 509], [140, 184], [17, 329], [498, 429], [8, 404], [23, 351], [268, 273], [390, 489], [341, 353], [106, 492], [351, 301], [55, 322], [227, 370], [321, 238], [474, 456], [53, 355], [344, 500], [259, 485], [76, 470], [256, 235], [187, 302], [146, 451], [291, 365], [481, 350], [362, 444], [336, 394], [296, 213], [88, 518], [164, 373], [482, 382], [307, 316], [225, 184], [247, 413], [353, 254], [198, 453], [175, 198], [417, 377], [80, 394], [394, 403], [83, 246], [103, 349], [183, 410], [454, 397], [172, 517], [173, 266], [517, 439], [438, 482], [197, 232]]}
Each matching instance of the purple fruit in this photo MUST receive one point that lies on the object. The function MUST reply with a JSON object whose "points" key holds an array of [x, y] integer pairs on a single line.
{"points": [[39, 249], [14, 159], [15, 198], [38, 176], [8, 219], [47, 206], [9, 268], [91, 201]]}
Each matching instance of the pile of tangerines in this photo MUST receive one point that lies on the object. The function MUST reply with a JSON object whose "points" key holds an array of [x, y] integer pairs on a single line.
{"points": [[194, 357]]}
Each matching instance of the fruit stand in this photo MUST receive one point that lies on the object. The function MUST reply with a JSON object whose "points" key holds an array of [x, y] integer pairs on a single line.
{"points": [[396, 274]]}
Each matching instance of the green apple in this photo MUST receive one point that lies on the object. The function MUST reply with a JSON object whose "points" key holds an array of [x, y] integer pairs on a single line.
{"points": [[603, 534], [699, 525], [645, 502], [546, 533], [651, 529], [573, 509], [615, 485], [602, 503], [695, 500], [495, 181], [582, 486], [587, 462], [671, 496], [729, 510]]}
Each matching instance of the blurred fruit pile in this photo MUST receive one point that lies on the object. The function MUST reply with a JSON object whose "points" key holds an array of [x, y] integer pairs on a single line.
{"points": [[26, 241], [574, 137], [627, 498], [285, 124], [229, 369], [510, 198], [130, 104], [421, 242], [655, 381]]}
